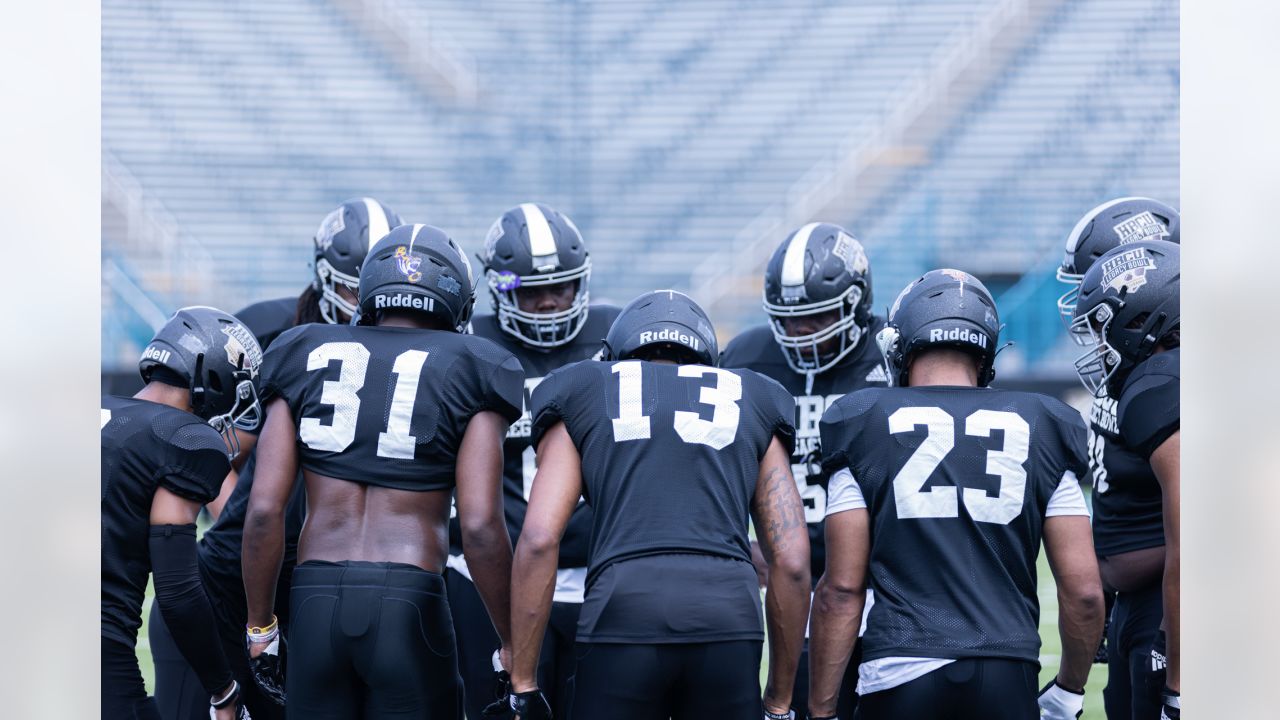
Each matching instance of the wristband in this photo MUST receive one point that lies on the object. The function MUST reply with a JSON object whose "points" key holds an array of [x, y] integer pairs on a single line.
{"points": [[263, 634], [225, 700], [788, 715]]}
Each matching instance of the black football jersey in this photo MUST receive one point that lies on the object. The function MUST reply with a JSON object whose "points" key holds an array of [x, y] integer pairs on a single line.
{"points": [[388, 406], [519, 454], [670, 458], [268, 319], [957, 481], [1127, 514], [1150, 407], [146, 446], [755, 349]]}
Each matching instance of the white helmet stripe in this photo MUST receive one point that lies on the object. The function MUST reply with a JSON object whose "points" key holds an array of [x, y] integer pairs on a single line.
{"points": [[793, 261], [542, 244], [379, 223], [417, 228]]}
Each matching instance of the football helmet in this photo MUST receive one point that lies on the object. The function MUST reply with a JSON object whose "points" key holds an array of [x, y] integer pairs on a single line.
{"points": [[419, 268], [217, 358], [534, 245], [341, 242], [942, 308], [818, 268], [1129, 302], [662, 317], [1115, 222]]}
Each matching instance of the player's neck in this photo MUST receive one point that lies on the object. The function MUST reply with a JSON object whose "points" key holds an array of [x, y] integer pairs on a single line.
{"points": [[943, 367], [158, 392]]}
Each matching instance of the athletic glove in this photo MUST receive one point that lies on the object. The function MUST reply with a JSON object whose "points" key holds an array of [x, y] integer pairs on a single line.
{"points": [[230, 700], [1171, 709], [1059, 703], [530, 705], [268, 668], [501, 689]]}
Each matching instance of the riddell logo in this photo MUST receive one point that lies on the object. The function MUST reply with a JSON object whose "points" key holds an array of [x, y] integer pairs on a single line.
{"points": [[409, 302], [154, 353], [958, 335], [671, 335]]}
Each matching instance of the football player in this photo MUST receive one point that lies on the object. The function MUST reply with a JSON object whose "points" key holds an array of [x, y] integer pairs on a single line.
{"points": [[386, 418], [165, 453], [1128, 525], [339, 247], [941, 492], [672, 454], [537, 268], [1128, 312], [817, 293]]}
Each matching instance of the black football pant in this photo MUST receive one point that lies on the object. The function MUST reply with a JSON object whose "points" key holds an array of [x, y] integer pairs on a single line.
{"points": [[683, 681], [846, 701], [124, 696], [1133, 689], [477, 640], [178, 691], [370, 640], [970, 689]]}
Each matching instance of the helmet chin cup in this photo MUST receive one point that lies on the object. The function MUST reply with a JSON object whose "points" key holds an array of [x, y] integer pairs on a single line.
{"points": [[888, 340]]}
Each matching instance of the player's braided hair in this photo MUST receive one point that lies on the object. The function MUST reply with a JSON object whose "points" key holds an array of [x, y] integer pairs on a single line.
{"points": [[308, 310]]}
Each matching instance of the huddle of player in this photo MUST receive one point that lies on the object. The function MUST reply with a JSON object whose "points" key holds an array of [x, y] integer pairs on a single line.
{"points": [[372, 470]]}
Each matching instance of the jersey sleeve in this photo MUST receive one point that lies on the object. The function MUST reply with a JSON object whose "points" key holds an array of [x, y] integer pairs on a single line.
{"points": [[197, 462], [549, 403], [280, 366], [501, 382], [1150, 411], [779, 410], [1073, 435], [840, 425]]}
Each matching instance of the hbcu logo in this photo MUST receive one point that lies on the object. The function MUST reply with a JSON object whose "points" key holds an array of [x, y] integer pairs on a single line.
{"points": [[241, 344], [408, 264], [1127, 272], [1143, 226]]}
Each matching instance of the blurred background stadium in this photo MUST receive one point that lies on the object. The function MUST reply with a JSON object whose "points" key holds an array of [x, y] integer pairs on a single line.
{"points": [[686, 139]]}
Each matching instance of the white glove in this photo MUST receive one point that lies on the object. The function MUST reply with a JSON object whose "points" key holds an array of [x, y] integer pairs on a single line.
{"points": [[1059, 703]]}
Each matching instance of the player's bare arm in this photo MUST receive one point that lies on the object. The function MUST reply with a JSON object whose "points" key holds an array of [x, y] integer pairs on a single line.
{"points": [[837, 607], [556, 489], [784, 540], [480, 516], [264, 520], [1068, 542], [1167, 464]]}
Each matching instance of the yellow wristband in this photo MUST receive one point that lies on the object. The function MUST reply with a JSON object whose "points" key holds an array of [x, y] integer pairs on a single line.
{"points": [[263, 630]]}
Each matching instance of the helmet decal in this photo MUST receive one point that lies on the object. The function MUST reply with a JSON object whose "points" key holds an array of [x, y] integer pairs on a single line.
{"points": [[1143, 226], [408, 264], [1127, 272]]}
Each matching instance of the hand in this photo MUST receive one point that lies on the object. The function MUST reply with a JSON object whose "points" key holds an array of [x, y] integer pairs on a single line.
{"points": [[266, 663], [530, 705], [1171, 707], [1058, 703], [231, 706], [501, 688]]}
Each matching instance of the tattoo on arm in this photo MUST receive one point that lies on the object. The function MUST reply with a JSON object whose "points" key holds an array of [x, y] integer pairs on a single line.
{"points": [[784, 514]]}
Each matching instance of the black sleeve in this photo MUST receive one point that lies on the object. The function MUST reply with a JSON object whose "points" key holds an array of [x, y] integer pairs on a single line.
{"points": [[197, 463], [185, 606], [547, 406], [1150, 409], [278, 364], [504, 392], [840, 425], [780, 411], [1073, 436]]}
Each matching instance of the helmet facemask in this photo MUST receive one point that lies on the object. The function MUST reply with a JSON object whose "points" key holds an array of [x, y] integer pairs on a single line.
{"points": [[1098, 364], [331, 302], [542, 330], [1067, 303], [802, 351]]}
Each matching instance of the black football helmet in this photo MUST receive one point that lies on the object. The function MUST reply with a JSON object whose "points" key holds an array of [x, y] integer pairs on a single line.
{"points": [[530, 245], [341, 242], [217, 358], [1115, 222], [818, 268], [1129, 302], [662, 317], [420, 268], [942, 308]]}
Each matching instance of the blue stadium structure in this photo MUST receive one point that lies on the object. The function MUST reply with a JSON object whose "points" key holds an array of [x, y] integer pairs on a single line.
{"points": [[685, 139]]}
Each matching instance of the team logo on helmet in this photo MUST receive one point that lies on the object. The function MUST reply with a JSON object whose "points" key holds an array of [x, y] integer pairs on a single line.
{"points": [[1143, 226], [491, 240], [1127, 271], [958, 275], [408, 264], [448, 284], [507, 281], [851, 251], [241, 344], [332, 224]]}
